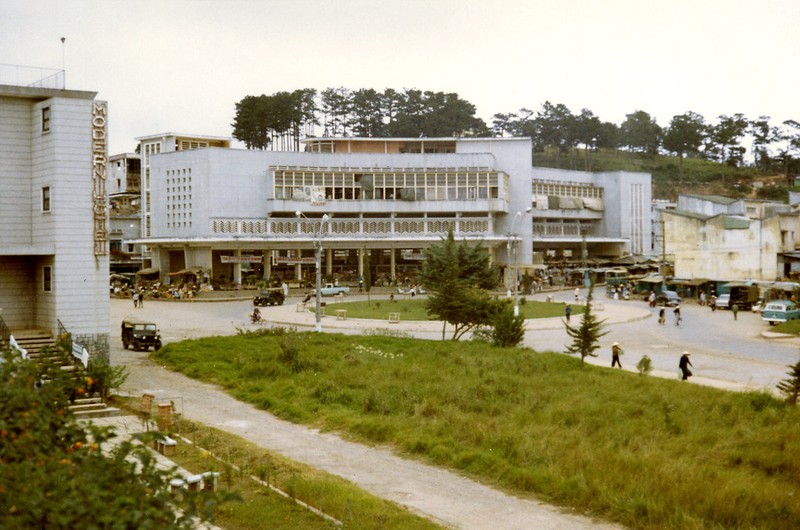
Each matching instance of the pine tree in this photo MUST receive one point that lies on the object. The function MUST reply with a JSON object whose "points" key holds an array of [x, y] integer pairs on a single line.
{"points": [[586, 336], [508, 330], [791, 387]]}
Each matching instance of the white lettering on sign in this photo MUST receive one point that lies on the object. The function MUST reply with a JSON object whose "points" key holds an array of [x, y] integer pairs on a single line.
{"points": [[240, 259], [99, 196]]}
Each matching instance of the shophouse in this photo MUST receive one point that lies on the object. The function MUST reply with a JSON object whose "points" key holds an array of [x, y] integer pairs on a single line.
{"points": [[379, 202], [724, 239], [53, 208]]}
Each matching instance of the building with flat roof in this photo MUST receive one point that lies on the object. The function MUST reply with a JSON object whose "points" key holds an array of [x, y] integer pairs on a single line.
{"points": [[225, 211], [125, 213], [54, 269]]}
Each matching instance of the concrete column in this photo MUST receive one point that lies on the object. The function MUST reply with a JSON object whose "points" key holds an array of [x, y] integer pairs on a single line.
{"points": [[392, 264], [328, 261], [267, 263], [237, 268], [361, 253]]}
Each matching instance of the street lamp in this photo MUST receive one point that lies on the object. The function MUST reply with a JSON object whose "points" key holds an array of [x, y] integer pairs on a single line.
{"points": [[318, 261], [514, 236]]}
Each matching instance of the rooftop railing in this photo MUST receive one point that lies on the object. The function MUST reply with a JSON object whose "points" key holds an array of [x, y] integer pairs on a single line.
{"points": [[31, 76]]}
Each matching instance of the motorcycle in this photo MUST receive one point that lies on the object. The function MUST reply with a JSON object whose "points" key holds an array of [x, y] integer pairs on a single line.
{"points": [[255, 317]]}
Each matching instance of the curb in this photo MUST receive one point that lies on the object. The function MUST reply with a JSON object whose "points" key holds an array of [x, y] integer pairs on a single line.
{"points": [[775, 335]]}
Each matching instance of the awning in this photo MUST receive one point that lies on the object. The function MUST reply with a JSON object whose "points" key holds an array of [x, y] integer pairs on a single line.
{"points": [[148, 272], [652, 278], [194, 271], [691, 283], [738, 284]]}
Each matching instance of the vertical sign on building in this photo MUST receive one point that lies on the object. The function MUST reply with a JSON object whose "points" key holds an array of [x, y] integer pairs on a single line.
{"points": [[99, 159]]}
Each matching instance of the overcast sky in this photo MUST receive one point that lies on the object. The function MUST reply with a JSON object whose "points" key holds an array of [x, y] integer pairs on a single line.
{"points": [[181, 65]]}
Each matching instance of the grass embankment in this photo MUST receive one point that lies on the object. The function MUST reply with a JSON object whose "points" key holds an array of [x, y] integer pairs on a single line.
{"points": [[643, 451], [238, 460], [790, 327], [699, 175], [414, 309]]}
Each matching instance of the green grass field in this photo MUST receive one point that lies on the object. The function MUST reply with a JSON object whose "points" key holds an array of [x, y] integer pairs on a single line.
{"points": [[642, 451]]}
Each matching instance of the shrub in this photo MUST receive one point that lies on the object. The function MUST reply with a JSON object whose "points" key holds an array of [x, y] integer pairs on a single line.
{"points": [[645, 365], [508, 330], [290, 354], [62, 478]]}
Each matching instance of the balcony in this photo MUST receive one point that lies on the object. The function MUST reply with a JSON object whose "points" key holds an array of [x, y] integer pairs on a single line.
{"points": [[344, 206], [350, 228]]}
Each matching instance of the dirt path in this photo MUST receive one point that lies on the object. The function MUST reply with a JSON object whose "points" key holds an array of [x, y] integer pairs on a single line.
{"points": [[439, 495]]}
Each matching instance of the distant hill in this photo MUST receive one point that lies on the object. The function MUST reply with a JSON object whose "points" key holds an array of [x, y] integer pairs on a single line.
{"points": [[699, 176]]}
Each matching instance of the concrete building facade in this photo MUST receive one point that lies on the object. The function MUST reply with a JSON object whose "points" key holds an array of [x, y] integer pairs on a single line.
{"points": [[225, 210], [125, 213], [53, 213], [721, 238]]}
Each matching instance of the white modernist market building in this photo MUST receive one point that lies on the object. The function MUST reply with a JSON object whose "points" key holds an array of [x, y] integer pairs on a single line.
{"points": [[379, 202], [53, 209]]}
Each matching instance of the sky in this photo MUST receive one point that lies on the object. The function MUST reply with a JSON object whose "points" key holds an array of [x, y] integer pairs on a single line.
{"points": [[181, 65]]}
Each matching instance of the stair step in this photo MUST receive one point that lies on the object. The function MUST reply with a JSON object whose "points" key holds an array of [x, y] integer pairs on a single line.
{"points": [[87, 401], [99, 413], [87, 407]]}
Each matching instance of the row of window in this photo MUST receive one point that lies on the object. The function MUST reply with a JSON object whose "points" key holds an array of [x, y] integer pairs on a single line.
{"points": [[564, 189], [385, 184]]}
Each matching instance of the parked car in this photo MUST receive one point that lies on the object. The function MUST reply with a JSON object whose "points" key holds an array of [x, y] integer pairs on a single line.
{"points": [[668, 298], [724, 301], [330, 289], [272, 296], [140, 334], [777, 311]]}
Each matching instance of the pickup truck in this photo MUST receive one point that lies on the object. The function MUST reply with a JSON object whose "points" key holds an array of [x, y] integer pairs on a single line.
{"points": [[332, 290]]}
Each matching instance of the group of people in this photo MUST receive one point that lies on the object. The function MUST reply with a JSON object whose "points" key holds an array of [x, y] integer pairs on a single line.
{"points": [[683, 363], [662, 315], [138, 297]]}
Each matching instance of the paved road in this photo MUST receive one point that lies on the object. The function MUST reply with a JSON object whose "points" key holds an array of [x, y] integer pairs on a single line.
{"points": [[725, 353]]}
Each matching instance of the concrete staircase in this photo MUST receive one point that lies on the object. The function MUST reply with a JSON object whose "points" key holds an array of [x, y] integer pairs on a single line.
{"points": [[42, 349]]}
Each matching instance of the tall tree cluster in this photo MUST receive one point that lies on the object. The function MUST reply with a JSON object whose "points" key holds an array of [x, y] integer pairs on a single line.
{"points": [[279, 121]]}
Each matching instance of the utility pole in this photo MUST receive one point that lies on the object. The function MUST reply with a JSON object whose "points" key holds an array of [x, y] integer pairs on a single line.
{"points": [[63, 61], [663, 264]]}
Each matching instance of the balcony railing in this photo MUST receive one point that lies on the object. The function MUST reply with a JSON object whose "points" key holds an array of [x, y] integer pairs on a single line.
{"points": [[366, 228], [562, 230]]}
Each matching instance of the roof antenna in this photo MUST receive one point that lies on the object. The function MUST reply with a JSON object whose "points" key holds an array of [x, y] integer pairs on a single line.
{"points": [[63, 62]]}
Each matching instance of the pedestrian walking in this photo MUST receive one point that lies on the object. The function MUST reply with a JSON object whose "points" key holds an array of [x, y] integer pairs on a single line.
{"points": [[662, 316], [141, 298], [616, 351], [651, 299], [684, 365], [677, 312], [713, 303], [568, 311], [577, 295], [135, 298], [735, 311]]}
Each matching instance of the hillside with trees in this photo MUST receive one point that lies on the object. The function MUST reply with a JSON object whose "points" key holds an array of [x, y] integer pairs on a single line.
{"points": [[726, 155]]}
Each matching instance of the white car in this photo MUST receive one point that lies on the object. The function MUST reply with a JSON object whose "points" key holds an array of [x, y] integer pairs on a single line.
{"points": [[724, 301]]}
